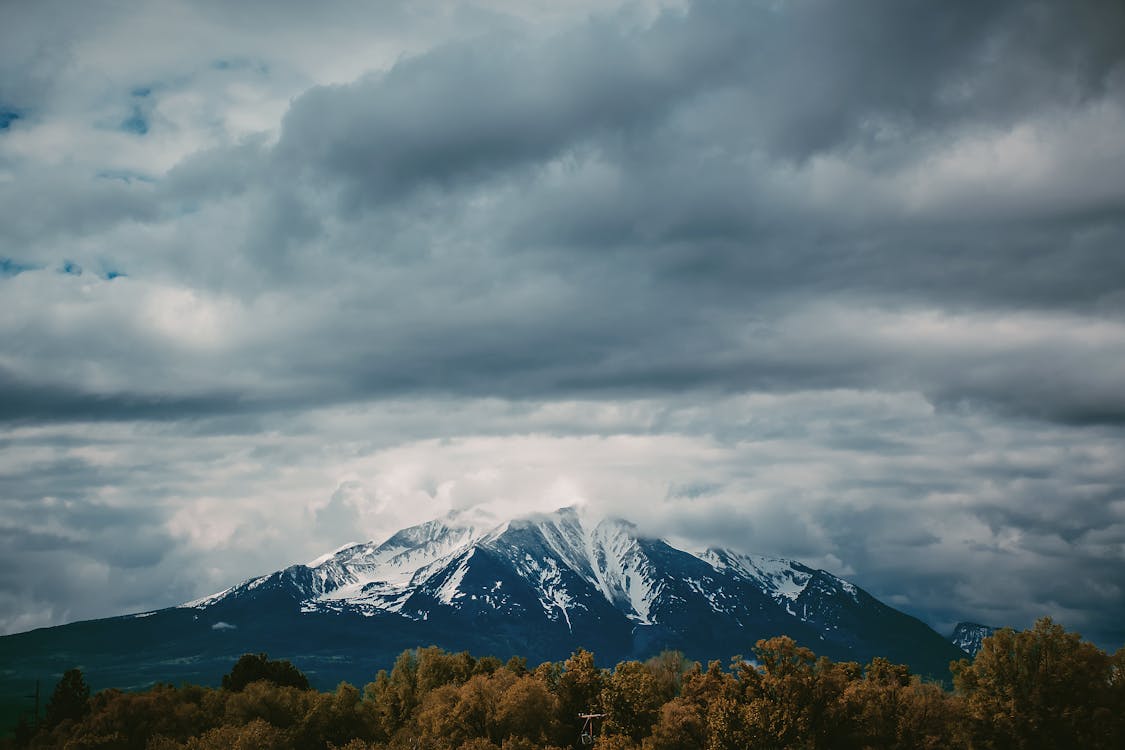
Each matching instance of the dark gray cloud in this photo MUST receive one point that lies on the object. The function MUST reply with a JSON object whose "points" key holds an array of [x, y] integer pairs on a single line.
{"points": [[838, 281], [469, 110]]}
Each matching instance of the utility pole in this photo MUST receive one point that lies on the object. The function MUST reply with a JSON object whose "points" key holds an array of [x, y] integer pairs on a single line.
{"points": [[587, 736]]}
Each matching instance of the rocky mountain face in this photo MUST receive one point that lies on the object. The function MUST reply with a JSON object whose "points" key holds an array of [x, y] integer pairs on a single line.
{"points": [[968, 636], [538, 586]]}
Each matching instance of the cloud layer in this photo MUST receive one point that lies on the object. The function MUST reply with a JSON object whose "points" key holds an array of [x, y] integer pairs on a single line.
{"points": [[842, 282]]}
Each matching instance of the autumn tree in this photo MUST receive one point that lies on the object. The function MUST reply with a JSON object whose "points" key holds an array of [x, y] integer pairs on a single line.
{"points": [[278, 706], [133, 718], [437, 723], [729, 725], [631, 699], [891, 708], [578, 687], [517, 665], [1041, 688], [435, 667], [792, 698], [681, 725], [701, 687], [931, 719], [610, 741], [479, 702], [337, 718], [254, 735], [527, 710], [487, 665]]}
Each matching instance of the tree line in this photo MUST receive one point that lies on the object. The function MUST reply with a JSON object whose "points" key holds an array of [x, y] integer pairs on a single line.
{"points": [[1039, 688]]}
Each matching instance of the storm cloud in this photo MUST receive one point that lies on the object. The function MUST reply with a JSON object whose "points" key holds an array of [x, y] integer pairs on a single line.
{"points": [[843, 282]]}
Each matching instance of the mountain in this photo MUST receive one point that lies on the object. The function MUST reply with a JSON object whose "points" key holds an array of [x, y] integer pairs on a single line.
{"points": [[537, 586], [968, 636]]}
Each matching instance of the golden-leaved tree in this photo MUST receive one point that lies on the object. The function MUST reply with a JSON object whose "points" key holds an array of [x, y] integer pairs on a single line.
{"points": [[1043, 688]]}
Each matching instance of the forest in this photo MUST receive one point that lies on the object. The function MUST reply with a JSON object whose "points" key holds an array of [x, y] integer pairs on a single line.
{"points": [[1039, 688]]}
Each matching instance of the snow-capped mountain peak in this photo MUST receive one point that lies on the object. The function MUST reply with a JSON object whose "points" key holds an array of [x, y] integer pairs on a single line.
{"points": [[606, 554], [573, 575]]}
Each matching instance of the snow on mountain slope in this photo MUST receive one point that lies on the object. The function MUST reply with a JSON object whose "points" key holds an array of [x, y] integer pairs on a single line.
{"points": [[365, 575], [544, 584], [562, 575], [782, 580], [968, 636]]}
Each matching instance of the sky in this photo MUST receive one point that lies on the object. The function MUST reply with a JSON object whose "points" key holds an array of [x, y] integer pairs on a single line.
{"points": [[841, 282]]}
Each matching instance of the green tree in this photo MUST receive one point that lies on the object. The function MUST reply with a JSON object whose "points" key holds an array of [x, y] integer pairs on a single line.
{"points": [[376, 694], [70, 700], [668, 668], [395, 696], [254, 667]]}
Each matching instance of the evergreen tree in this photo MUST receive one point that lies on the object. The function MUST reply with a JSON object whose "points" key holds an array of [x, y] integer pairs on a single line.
{"points": [[71, 699], [253, 667]]}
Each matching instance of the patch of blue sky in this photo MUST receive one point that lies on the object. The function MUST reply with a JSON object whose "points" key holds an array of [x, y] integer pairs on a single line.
{"points": [[70, 268], [8, 115], [141, 91], [109, 270], [12, 267], [135, 123]]}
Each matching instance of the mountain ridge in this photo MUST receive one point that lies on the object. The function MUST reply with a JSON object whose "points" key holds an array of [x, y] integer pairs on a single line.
{"points": [[567, 571], [607, 553], [538, 586]]}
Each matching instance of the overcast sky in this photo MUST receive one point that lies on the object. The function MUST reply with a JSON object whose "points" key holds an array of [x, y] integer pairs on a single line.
{"points": [[839, 281]]}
